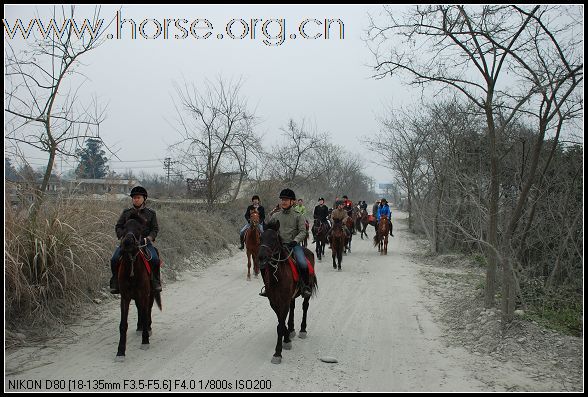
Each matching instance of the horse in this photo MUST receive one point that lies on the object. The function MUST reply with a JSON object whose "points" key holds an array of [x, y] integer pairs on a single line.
{"points": [[337, 243], [364, 219], [349, 224], [381, 237], [280, 287], [357, 219], [135, 283], [320, 230], [252, 238]]}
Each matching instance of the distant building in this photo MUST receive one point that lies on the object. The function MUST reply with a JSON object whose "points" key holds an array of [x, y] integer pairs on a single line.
{"points": [[103, 186]]}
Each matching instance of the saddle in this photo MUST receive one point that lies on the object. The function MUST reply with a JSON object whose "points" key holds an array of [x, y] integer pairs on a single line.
{"points": [[294, 268]]}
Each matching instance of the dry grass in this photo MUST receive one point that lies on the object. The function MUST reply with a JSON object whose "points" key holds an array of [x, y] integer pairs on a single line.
{"points": [[60, 263]]}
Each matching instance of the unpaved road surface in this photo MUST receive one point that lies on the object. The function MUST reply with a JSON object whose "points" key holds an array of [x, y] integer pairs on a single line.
{"points": [[216, 333]]}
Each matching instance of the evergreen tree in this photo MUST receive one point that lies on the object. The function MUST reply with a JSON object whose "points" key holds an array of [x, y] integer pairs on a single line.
{"points": [[92, 161]]}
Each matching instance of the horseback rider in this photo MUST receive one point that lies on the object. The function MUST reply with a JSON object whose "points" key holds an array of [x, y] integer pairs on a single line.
{"points": [[292, 232], [340, 214], [384, 211], [321, 212], [254, 206], [139, 197], [348, 205], [300, 208], [363, 205], [375, 208]]}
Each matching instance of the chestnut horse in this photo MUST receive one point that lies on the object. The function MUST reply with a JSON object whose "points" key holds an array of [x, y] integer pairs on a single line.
{"points": [[280, 287], [252, 238], [364, 220], [381, 237], [135, 283], [349, 224], [338, 238]]}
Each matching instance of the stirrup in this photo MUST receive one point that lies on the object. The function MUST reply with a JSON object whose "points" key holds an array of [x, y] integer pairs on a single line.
{"points": [[114, 288], [263, 292]]}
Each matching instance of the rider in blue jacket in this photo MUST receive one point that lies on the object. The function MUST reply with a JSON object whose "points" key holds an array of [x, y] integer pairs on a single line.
{"points": [[384, 211]]}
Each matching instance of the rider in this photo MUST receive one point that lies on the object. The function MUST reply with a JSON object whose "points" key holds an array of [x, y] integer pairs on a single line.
{"points": [[255, 206], [300, 208], [363, 205], [139, 195], [384, 211], [292, 232], [348, 205], [321, 212], [339, 214]]}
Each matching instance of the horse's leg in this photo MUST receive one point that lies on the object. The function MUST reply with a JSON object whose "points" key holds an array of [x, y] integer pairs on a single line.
{"points": [[256, 265], [144, 313], [334, 254], [282, 331], [386, 245], [340, 258], [139, 318], [248, 265], [124, 315], [149, 320], [291, 331], [302, 333]]}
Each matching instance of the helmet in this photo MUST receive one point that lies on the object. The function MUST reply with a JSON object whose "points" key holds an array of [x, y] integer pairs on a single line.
{"points": [[338, 203], [288, 194], [138, 190], [345, 197], [321, 199], [255, 197], [383, 200]]}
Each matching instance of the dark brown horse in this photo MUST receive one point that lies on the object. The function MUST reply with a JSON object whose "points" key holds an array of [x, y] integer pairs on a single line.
{"points": [[364, 221], [135, 283], [320, 230], [252, 241], [280, 287], [338, 238], [381, 237]]}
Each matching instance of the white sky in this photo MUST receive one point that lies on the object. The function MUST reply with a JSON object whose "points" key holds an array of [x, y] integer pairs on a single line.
{"points": [[326, 82]]}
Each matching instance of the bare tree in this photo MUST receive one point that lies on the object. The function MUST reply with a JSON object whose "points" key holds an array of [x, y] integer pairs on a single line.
{"points": [[470, 50], [42, 111], [217, 132]]}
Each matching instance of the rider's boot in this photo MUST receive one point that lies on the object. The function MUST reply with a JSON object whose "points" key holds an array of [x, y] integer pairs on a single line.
{"points": [[156, 279], [114, 288], [305, 289]]}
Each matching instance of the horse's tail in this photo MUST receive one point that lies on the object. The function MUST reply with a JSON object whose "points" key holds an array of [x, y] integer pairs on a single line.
{"points": [[157, 296], [376, 239], [313, 286]]}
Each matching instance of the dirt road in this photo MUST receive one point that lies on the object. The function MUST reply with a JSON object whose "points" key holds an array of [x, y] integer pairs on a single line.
{"points": [[216, 333]]}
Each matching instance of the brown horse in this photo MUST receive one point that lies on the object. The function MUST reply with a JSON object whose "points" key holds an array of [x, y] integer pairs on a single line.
{"points": [[320, 230], [252, 238], [338, 238], [135, 283], [381, 237], [307, 227], [349, 224], [364, 219], [280, 287]]}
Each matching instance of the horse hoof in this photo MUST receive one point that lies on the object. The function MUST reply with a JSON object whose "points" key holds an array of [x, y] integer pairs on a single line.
{"points": [[302, 335], [276, 360], [292, 333], [287, 346], [119, 359], [139, 330], [339, 269], [145, 346]]}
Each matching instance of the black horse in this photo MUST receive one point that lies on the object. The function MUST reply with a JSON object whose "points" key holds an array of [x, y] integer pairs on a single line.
{"points": [[135, 283], [320, 230], [280, 287]]}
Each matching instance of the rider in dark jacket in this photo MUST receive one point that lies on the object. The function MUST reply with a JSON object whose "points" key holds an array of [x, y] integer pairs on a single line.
{"points": [[254, 206], [321, 212], [139, 195]]}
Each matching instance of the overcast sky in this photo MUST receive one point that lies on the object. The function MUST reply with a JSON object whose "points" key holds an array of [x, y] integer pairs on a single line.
{"points": [[327, 82]]}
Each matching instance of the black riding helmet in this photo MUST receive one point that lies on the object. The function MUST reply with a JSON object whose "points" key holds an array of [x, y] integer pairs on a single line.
{"points": [[138, 190], [288, 194], [255, 197]]}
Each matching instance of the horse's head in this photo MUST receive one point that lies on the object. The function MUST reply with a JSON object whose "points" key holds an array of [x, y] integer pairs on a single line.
{"points": [[270, 243], [133, 232], [254, 217]]}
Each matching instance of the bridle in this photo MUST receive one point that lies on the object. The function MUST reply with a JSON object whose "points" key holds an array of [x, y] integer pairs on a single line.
{"points": [[132, 257]]}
